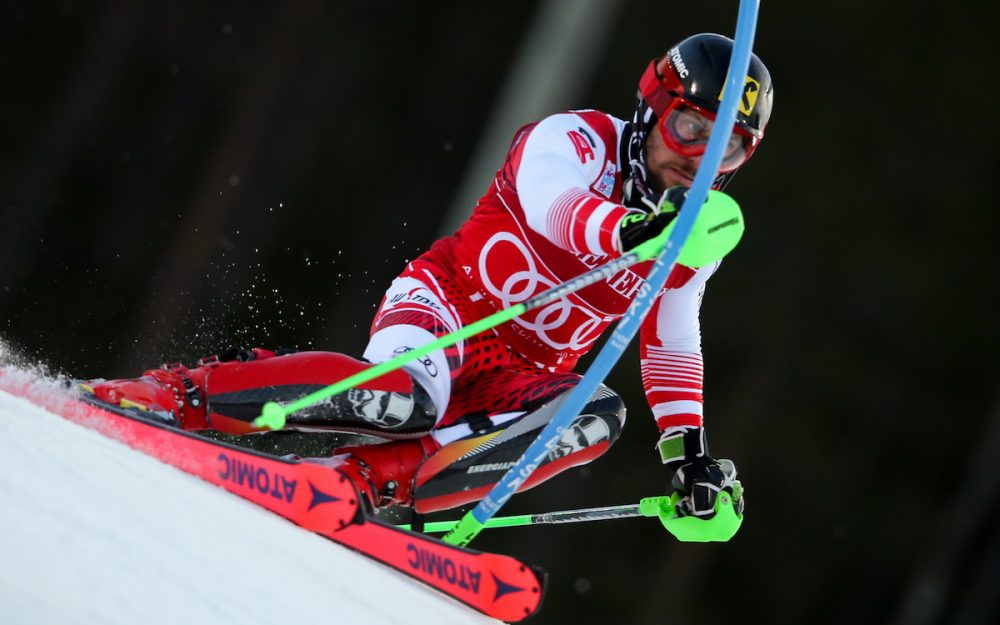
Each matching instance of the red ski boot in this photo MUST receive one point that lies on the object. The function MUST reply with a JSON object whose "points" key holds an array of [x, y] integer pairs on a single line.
{"points": [[383, 473], [172, 394]]}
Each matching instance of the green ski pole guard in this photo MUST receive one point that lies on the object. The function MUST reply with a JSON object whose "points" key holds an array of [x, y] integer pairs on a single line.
{"points": [[716, 232], [720, 528]]}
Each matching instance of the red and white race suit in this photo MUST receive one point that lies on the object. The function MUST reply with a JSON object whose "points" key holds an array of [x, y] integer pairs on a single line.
{"points": [[552, 212]]}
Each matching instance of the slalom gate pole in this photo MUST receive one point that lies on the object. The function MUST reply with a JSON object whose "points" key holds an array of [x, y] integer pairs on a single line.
{"points": [[648, 507], [473, 522], [274, 415]]}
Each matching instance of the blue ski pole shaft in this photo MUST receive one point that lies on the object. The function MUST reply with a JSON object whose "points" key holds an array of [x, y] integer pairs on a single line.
{"points": [[473, 522]]}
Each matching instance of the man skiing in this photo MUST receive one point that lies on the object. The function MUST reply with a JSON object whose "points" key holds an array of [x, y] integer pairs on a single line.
{"points": [[575, 189]]}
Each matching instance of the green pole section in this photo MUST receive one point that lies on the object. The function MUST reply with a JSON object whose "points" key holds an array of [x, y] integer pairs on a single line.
{"points": [[506, 521], [720, 528], [649, 506]]}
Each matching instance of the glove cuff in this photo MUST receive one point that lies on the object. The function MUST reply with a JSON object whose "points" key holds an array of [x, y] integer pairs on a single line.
{"points": [[682, 443], [637, 227]]}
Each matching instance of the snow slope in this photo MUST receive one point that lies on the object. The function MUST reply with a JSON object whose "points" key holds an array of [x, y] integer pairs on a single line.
{"points": [[92, 531]]}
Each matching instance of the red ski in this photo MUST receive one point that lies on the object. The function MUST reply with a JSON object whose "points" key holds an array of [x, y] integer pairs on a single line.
{"points": [[318, 498], [497, 585]]}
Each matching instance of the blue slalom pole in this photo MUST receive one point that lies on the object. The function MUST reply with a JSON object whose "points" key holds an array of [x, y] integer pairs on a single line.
{"points": [[473, 522]]}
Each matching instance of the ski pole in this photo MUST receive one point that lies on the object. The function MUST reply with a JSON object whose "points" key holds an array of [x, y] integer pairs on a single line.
{"points": [[647, 507], [684, 528], [274, 415], [473, 521]]}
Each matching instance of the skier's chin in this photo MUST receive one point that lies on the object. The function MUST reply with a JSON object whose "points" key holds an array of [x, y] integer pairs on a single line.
{"points": [[671, 177], [677, 176]]}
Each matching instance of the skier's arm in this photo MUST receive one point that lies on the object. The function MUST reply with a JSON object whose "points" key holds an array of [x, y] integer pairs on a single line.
{"points": [[560, 160], [670, 348], [672, 375]]}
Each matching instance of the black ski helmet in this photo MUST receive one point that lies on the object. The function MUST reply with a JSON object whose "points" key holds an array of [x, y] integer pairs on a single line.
{"points": [[694, 75], [696, 72]]}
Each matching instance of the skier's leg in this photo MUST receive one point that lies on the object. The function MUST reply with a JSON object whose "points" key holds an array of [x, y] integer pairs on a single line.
{"points": [[390, 406], [420, 306], [227, 394], [461, 462], [476, 452]]}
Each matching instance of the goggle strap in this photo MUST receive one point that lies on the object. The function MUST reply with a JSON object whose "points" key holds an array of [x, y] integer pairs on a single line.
{"points": [[652, 90]]}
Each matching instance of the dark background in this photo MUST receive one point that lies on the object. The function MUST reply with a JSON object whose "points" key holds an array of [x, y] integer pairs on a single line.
{"points": [[179, 178]]}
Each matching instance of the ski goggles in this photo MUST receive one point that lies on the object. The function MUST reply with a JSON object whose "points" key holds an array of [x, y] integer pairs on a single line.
{"points": [[685, 129], [685, 126]]}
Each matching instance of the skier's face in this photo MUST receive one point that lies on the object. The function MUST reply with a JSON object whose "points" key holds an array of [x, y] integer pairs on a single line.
{"points": [[666, 167]]}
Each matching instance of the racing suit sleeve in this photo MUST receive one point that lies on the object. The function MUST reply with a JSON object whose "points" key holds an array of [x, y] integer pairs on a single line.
{"points": [[561, 159], [671, 357]]}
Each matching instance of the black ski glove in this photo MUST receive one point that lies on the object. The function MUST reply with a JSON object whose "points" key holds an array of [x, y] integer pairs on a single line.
{"points": [[639, 227], [697, 476]]}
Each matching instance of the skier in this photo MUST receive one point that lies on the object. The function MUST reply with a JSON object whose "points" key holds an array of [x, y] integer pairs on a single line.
{"points": [[576, 189]]}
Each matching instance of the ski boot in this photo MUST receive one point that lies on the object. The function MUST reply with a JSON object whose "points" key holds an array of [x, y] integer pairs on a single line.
{"points": [[172, 395], [382, 473]]}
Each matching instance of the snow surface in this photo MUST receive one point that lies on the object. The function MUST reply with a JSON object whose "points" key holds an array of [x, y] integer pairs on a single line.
{"points": [[92, 531]]}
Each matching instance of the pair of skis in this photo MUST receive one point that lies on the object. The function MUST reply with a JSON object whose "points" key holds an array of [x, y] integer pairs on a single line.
{"points": [[318, 498]]}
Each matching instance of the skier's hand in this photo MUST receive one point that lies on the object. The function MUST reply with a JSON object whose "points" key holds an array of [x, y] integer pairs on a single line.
{"points": [[697, 476], [638, 227], [700, 482]]}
